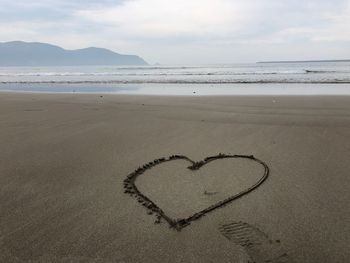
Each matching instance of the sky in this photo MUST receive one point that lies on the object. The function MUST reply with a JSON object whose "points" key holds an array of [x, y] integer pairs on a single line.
{"points": [[186, 31]]}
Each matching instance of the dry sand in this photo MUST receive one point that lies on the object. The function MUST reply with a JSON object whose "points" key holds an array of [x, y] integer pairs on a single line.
{"points": [[63, 160]]}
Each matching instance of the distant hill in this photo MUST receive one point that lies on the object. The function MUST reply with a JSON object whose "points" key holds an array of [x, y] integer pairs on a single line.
{"points": [[305, 61], [18, 53]]}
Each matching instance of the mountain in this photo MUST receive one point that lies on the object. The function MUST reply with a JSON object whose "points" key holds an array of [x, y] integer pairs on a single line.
{"points": [[18, 53]]}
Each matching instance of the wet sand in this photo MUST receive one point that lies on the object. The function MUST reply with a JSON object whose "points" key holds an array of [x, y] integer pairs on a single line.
{"points": [[64, 158]]}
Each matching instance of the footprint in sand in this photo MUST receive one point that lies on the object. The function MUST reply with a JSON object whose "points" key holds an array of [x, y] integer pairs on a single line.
{"points": [[255, 242], [33, 110]]}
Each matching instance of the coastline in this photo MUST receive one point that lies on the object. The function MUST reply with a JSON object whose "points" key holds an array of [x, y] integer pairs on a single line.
{"points": [[64, 158], [285, 89]]}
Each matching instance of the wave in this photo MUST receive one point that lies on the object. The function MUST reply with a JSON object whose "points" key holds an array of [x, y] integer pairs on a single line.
{"points": [[324, 71], [287, 81], [96, 74]]}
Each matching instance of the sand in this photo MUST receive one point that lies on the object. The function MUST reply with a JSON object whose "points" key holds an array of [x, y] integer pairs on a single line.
{"points": [[64, 157]]}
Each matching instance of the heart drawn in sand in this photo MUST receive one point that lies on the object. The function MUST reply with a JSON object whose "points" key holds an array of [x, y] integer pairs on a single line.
{"points": [[130, 187]]}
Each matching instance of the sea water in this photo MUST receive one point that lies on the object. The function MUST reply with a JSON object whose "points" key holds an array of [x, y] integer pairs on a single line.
{"points": [[234, 79]]}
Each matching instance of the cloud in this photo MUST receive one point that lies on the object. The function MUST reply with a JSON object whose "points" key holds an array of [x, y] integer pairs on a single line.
{"points": [[188, 31], [159, 18], [208, 18], [337, 29]]}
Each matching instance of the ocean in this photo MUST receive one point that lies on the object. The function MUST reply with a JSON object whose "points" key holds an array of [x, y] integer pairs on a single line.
{"points": [[235, 79]]}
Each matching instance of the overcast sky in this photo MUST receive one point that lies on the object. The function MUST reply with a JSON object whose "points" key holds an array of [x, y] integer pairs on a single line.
{"points": [[186, 31]]}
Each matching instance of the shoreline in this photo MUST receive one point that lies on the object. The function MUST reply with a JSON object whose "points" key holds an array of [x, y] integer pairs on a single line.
{"points": [[186, 90], [92, 94]]}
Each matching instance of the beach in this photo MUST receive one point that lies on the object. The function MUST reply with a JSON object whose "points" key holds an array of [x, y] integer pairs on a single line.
{"points": [[64, 158]]}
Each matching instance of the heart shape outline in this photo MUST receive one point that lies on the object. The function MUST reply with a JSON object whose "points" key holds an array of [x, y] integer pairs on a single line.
{"points": [[179, 224]]}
